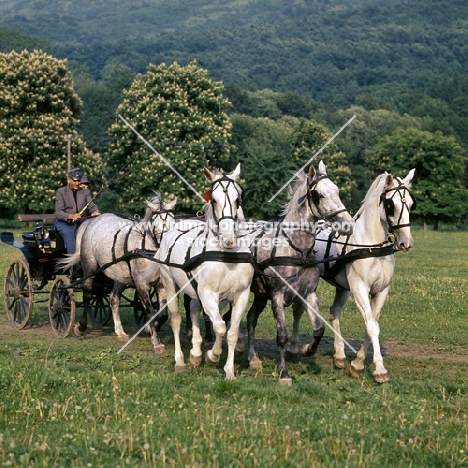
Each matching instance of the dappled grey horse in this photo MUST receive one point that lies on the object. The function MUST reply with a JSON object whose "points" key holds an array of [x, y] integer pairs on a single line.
{"points": [[123, 248], [284, 254]]}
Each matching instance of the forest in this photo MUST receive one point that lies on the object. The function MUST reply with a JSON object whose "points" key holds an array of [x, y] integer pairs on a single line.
{"points": [[397, 64]]}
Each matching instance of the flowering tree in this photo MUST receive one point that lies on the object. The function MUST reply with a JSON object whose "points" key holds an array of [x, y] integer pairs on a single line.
{"points": [[38, 108], [180, 112]]}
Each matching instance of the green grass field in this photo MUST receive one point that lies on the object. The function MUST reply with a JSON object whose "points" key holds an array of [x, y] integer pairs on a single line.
{"points": [[77, 403]]}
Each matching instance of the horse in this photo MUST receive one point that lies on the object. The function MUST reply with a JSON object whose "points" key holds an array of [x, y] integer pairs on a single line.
{"points": [[363, 263], [286, 267], [123, 248], [206, 260]]}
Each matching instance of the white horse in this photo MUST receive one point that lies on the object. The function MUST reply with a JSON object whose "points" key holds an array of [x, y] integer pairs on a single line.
{"points": [[107, 243], [366, 263], [207, 262]]}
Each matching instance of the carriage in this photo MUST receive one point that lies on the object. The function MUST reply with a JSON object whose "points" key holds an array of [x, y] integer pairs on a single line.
{"points": [[33, 279]]}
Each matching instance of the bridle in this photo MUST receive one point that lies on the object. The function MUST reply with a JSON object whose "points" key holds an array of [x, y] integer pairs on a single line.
{"points": [[389, 205], [313, 199], [167, 217], [227, 201]]}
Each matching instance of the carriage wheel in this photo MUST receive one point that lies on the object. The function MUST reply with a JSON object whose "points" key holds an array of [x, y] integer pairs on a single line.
{"points": [[139, 310], [99, 309], [18, 292], [62, 307]]}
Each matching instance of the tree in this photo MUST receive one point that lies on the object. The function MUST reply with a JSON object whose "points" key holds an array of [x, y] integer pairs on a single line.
{"points": [[38, 108], [440, 165], [100, 101], [180, 111], [14, 39]]}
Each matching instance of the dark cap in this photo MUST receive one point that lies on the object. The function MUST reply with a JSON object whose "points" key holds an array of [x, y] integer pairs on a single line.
{"points": [[84, 180], [75, 174]]}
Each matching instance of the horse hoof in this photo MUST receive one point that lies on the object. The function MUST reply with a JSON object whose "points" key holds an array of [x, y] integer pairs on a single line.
{"points": [[77, 330], [255, 363], [381, 378], [195, 361], [308, 350], [355, 373], [179, 368], [159, 349], [339, 363], [287, 381], [123, 337], [209, 360]]}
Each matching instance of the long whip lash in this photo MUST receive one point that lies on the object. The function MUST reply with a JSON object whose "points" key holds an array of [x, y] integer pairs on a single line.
{"points": [[312, 158], [168, 164]]}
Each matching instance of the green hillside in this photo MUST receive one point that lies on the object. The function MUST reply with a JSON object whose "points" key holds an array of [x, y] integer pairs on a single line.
{"points": [[330, 50]]}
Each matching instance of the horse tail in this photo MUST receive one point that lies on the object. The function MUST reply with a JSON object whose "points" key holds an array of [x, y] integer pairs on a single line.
{"points": [[72, 259]]}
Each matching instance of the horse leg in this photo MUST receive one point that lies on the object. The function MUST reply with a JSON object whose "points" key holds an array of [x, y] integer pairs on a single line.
{"points": [[143, 293], [210, 304], [341, 297], [209, 338], [196, 351], [114, 299], [293, 351], [188, 320], [370, 310], [176, 319], [240, 346], [161, 315], [237, 311], [81, 326], [313, 311], [257, 307], [277, 303]]}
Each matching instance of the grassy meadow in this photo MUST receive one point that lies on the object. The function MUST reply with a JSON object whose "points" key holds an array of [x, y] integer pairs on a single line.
{"points": [[77, 403]]}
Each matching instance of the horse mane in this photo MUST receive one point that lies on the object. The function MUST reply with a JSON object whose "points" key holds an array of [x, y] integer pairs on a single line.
{"points": [[294, 194], [381, 178], [370, 193]]}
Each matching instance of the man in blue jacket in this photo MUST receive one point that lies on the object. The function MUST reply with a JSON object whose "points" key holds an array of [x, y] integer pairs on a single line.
{"points": [[71, 203]]}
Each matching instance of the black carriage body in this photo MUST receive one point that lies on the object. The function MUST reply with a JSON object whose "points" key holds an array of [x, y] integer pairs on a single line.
{"points": [[41, 248]]}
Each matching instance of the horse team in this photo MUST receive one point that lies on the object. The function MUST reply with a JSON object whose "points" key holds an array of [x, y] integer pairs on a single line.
{"points": [[221, 258]]}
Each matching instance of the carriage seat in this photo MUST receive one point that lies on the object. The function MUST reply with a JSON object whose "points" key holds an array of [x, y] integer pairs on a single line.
{"points": [[47, 240], [44, 236]]}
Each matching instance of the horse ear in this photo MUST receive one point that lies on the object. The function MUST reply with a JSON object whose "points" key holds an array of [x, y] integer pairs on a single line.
{"points": [[152, 206], [389, 180], [236, 172], [322, 168], [170, 206], [210, 177], [409, 177], [312, 172]]}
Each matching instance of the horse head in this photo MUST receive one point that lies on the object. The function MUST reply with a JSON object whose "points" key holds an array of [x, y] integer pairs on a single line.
{"points": [[225, 200], [159, 216], [323, 198], [396, 202]]}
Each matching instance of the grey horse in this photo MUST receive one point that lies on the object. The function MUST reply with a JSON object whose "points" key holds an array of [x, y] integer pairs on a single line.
{"points": [[123, 248]]}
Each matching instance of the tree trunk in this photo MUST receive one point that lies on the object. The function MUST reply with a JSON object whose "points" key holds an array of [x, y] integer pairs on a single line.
{"points": [[436, 224], [424, 224]]}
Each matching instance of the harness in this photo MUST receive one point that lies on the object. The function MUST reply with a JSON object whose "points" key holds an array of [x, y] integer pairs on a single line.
{"points": [[368, 251], [330, 271]]}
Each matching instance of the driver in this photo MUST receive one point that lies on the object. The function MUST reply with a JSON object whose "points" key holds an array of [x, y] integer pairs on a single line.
{"points": [[71, 202]]}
